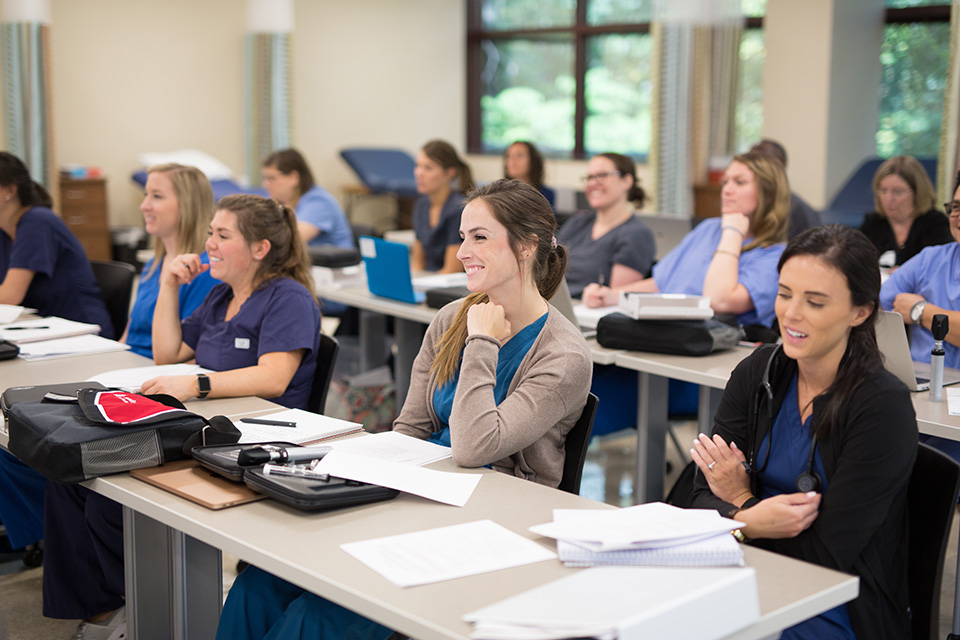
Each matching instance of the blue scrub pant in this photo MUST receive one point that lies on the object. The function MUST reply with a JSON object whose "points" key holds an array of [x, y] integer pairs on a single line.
{"points": [[21, 501], [261, 606], [82, 553]]}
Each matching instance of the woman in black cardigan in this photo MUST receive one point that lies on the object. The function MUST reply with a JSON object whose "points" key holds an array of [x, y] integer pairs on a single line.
{"points": [[814, 442]]}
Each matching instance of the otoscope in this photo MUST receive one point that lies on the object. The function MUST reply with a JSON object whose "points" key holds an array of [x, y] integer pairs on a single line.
{"points": [[263, 454], [939, 328]]}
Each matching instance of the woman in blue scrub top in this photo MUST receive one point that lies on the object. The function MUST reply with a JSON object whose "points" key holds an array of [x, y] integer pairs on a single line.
{"points": [[814, 441], [258, 330], [320, 218], [42, 264], [177, 207], [730, 258], [442, 178], [500, 378]]}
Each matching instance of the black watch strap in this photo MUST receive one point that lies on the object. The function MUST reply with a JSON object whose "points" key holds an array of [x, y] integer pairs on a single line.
{"points": [[203, 385]]}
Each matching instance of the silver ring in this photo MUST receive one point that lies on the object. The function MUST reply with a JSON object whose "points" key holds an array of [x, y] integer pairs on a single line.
{"points": [[710, 466]]}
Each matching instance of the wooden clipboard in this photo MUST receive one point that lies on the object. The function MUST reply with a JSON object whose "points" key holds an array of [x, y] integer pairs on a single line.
{"points": [[187, 479]]}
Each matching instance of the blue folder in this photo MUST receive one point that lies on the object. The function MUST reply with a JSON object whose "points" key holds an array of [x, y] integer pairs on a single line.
{"points": [[388, 270]]}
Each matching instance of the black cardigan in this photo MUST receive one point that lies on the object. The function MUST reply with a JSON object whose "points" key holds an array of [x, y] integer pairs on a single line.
{"points": [[868, 458], [928, 229]]}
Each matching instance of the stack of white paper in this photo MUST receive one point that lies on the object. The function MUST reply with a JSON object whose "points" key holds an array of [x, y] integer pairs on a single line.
{"points": [[10, 312], [395, 447], [628, 603], [654, 534], [309, 427], [665, 306], [67, 347], [589, 317], [37, 329], [439, 280]]}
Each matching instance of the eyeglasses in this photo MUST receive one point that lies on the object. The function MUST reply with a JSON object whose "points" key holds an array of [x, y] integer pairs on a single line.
{"points": [[952, 209], [602, 177]]}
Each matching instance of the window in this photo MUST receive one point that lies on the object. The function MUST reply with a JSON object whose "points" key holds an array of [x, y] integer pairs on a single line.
{"points": [[916, 44], [574, 77]]}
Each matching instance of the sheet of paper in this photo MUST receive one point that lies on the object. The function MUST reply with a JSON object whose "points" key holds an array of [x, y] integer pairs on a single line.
{"points": [[642, 526], [67, 347], [590, 316], [439, 280], [395, 447], [51, 328], [455, 551], [311, 427], [132, 379], [449, 488], [9, 313], [953, 402]]}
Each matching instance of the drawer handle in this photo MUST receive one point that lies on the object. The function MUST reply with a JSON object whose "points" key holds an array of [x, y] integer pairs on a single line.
{"points": [[75, 194], [75, 220]]}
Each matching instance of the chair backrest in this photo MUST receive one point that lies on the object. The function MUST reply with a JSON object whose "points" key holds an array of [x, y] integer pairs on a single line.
{"points": [[576, 446], [326, 360], [934, 488], [115, 280], [383, 170]]}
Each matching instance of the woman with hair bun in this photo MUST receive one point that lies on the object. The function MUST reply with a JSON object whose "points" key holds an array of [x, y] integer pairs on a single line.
{"points": [[501, 378], [258, 331], [42, 264], [609, 245], [442, 178]]}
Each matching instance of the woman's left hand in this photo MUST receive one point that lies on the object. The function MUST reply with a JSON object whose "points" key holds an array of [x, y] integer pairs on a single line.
{"points": [[903, 304], [488, 319], [182, 388], [723, 467]]}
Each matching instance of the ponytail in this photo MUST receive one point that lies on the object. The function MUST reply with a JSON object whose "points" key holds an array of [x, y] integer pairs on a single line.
{"points": [[443, 153], [527, 217]]}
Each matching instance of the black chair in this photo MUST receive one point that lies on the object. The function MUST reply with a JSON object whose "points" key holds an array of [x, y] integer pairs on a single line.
{"points": [[326, 360], [115, 280], [934, 488], [577, 440]]}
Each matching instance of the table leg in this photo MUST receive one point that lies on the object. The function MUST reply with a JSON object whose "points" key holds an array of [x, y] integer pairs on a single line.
{"points": [[409, 338], [709, 401], [373, 331], [651, 437], [174, 583]]}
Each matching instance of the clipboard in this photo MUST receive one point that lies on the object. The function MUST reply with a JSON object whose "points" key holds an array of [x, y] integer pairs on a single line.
{"points": [[187, 479]]}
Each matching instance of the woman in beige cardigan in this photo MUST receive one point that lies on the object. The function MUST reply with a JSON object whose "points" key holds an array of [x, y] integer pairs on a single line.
{"points": [[501, 378]]}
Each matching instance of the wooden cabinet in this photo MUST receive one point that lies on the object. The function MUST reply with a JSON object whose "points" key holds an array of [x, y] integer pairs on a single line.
{"points": [[706, 200], [83, 206]]}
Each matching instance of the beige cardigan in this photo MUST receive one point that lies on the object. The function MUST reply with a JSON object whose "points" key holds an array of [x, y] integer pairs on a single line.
{"points": [[525, 435]]}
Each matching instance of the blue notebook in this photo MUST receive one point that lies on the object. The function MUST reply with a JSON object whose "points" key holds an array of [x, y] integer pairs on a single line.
{"points": [[388, 270]]}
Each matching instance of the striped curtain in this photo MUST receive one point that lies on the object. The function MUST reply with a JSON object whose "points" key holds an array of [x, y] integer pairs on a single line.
{"points": [[27, 103], [268, 101], [949, 157], [695, 98]]}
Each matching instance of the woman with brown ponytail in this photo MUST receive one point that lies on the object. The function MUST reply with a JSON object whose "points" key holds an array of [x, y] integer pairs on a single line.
{"points": [[258, 330], [442, 179], [501, 378]]}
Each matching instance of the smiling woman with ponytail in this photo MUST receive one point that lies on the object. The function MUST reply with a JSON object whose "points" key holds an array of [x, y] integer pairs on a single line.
{"points": [[501, 378]]}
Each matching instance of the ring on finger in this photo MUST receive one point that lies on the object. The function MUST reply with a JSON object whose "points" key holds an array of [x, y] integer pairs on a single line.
{"points": [[710, 466]]}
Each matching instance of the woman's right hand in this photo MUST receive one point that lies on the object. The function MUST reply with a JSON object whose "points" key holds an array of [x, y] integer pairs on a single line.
{"points": [[597, 295], [784, 516], [182, 269]]}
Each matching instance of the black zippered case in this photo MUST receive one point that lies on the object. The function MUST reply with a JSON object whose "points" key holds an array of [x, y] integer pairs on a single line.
{"points": [[222, 458], [313, 494]]}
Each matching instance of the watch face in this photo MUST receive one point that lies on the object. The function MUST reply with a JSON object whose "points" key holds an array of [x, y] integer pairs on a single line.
{"points": [[203, 383]]}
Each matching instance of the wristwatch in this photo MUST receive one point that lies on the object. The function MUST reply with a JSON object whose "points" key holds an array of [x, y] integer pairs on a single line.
{"points": [[203, 385], [916, 311]]}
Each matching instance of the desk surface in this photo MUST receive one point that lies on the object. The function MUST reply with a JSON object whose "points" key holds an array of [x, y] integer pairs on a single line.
{"points": [[305, 549]]}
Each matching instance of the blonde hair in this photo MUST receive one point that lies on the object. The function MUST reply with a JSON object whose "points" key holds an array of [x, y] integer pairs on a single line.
{"points": [[261, 218], [194, 209], [912, 172], [770, 220], [528, 219]]}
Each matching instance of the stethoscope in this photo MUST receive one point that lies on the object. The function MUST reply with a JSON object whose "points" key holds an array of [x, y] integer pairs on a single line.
{"points": [[808, 480]]}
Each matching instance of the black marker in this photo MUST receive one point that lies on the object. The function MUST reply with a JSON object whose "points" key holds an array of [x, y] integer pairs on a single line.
{"points": [[23, 328], [269, 423]]}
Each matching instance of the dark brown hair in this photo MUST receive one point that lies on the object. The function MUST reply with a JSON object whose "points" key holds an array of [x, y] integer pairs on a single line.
{"points": [[535, 173], [13, 172], [286, 161], [627, 167], [445, 155]]}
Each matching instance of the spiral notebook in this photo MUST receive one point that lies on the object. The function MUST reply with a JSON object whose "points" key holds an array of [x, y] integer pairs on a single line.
{"points": [[718, 551]]}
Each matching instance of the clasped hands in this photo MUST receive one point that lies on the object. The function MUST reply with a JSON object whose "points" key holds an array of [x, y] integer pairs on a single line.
{"points": [[724, 467]]}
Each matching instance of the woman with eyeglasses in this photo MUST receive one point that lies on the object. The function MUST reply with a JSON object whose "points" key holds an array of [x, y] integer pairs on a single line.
{"points": [[905, 220], [730, 258], [610, 244]]}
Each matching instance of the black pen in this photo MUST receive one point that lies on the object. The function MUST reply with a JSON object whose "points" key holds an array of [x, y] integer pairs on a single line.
{"points": [[22, 328], [270, 423]]}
